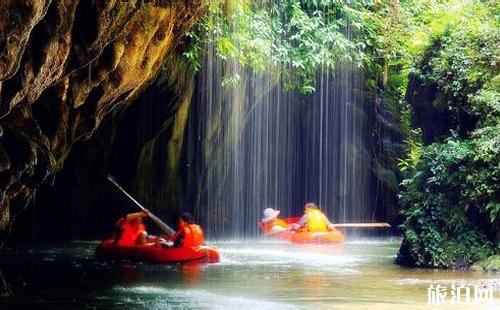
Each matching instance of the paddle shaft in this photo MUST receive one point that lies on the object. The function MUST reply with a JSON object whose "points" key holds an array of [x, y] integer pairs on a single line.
{"points": [[362, 225], [156, 219]]}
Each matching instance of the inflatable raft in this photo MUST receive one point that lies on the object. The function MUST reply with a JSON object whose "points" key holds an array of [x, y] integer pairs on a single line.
{"points": [[312, 237], [304, 236], [154, 254]]}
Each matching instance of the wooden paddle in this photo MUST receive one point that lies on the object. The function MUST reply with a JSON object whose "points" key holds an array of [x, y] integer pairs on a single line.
{"points": [[156, 219], [382, 224]]}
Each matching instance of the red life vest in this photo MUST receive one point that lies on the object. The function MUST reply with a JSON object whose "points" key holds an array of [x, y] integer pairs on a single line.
{"points": [[130, 231], [193, 235]]}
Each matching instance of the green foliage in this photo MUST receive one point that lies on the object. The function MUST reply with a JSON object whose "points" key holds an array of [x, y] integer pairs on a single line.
{"points": [[415, 149], [490, 264], [455, 185], [483, 177], [296, 37], [437, 227], [486, 103], [463, 54]]}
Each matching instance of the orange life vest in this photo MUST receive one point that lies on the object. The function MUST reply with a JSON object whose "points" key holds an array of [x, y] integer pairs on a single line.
{"points": [[316, 220], [130, 232], [193, 235], [267, 227]]}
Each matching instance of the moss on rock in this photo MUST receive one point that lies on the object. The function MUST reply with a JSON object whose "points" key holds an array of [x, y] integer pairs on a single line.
{"points": [[490, 264]]}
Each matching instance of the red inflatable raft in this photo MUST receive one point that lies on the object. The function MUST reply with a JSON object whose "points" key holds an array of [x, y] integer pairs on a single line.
{"points": [[154, 254]]}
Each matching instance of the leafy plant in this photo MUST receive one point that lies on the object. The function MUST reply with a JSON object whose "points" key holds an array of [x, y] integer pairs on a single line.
{"points": [[415, 149], [437, 228], [453, 190], [298, 37]]}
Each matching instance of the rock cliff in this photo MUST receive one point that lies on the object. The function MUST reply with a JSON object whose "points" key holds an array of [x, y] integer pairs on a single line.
{"points": [[64, 66]]}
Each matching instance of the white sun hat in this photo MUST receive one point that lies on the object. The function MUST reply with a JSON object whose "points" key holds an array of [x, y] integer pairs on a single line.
{"points": [[270, 214]]}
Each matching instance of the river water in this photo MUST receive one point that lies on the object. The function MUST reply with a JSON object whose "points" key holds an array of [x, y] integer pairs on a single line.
{"points": [[251, 275]]}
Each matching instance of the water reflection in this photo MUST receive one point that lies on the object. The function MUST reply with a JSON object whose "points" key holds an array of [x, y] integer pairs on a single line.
{"points": [[191, 274]]}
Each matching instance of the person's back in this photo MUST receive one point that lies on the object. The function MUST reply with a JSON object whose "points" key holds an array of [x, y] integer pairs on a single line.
{"points": [[131, 230], [131, 234], [313, 220], [193, 235], [316, 220], [189, 234]]}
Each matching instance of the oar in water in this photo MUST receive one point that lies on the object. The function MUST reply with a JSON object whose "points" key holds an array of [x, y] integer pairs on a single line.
{"points": [[156, 219], [362, 225]]}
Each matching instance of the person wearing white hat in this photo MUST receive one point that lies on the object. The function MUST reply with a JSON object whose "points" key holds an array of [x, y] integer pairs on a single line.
{"points": [[271, 224]]}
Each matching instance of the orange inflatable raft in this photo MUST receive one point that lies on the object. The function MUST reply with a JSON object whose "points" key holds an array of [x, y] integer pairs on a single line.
{"points": [[154, 254], [304, 236], [312, 237]]}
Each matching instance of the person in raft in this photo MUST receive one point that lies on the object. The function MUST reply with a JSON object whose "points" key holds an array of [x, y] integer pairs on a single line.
{"points": [[189, 233], [313, 220], [271, 224], [130, 230]]}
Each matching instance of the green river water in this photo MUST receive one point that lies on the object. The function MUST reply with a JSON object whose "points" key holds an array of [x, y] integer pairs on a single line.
{"points": [[251, 275]]}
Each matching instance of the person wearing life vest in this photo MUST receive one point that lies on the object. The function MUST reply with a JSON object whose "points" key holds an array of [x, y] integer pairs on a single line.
{"points": [[271, 224], [130, 230], [313, 220], [189, 233]]}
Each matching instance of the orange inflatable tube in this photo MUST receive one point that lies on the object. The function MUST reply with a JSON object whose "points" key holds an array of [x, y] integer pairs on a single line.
{"points": [[304, 236], [155, 254]]}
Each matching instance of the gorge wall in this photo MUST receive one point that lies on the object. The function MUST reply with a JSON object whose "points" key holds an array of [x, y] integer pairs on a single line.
{"points": [[65, 66]]}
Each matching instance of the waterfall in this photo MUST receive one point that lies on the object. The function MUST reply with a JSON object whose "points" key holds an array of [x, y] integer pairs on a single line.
{"points": [[257, 145]]}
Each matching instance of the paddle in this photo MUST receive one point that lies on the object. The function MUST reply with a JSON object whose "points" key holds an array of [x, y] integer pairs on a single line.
{"points": [[362, 225], [156, 219]]}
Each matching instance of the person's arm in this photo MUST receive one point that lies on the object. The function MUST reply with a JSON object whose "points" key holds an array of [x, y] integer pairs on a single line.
{"points": [[118, 231], [327, 220], [132, 216], [301, 223], [142, 238], [277, 229], [329, 224], [179, 239], [303, 220]]}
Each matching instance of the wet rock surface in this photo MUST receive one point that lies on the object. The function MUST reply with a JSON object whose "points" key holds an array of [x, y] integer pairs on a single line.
{"points": [[64, 67]]}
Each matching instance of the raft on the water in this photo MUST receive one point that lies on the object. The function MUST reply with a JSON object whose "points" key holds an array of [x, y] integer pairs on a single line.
{"points": [[156, 254], [304, 236]]}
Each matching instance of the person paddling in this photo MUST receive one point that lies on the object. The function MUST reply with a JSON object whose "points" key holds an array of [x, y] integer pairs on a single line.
{"points": [[130, 230], [314, 220], [271, 224]]}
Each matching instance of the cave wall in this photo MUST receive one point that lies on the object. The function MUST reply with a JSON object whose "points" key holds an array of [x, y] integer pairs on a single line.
{"points": [[66, 65], [131, 145]]}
